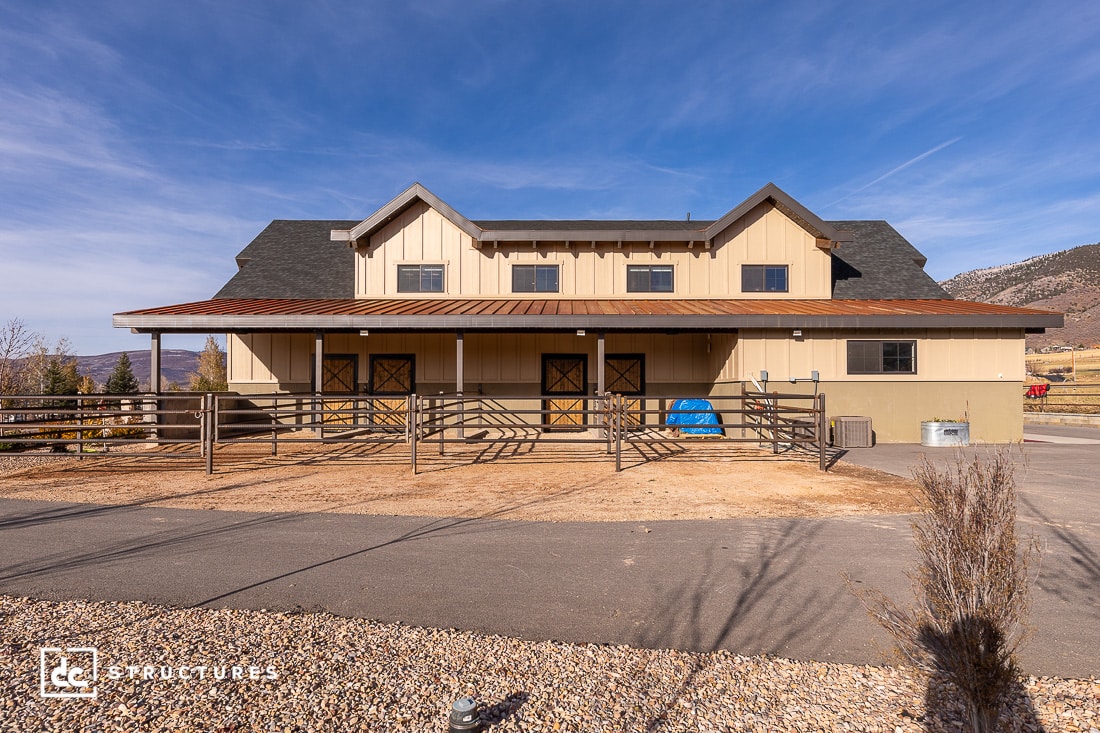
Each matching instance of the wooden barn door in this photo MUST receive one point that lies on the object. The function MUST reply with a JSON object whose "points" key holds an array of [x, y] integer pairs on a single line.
{"points": [[625, 375], [392, 380], [339, 376], [565, 383]]}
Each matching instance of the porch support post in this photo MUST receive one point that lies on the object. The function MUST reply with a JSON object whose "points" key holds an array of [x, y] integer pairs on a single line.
{"points": [[601, 382], [459, 383], [318, 377], [600, 359], [154, 362]]}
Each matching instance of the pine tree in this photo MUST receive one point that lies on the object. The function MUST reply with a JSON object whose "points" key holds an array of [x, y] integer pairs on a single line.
{"points": [[60, 377], [122, 379], [210, 376]]}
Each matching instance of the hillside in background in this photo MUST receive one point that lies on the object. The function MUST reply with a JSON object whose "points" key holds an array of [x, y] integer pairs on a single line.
{"points": [[1066, 281], [175, 365]]}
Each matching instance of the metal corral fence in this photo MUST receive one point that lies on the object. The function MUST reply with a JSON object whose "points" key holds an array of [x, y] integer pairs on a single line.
{"points": [[116, 425], [778, 421], [196, 425], [1082, 399]]}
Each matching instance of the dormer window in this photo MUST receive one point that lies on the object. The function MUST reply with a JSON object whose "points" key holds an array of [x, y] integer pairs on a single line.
{"points": [[764, 279], [420, 278], [649, 279]]}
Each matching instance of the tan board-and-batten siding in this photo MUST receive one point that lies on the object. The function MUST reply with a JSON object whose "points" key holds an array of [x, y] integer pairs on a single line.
{"points": [[591, 268]]}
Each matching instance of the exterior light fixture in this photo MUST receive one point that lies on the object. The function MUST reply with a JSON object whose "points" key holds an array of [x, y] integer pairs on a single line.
{"points": [[580, 331], [464, 716], [797, 333]]}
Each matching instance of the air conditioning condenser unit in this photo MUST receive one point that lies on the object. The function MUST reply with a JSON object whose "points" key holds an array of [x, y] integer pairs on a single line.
{"points": [[852, 432]]}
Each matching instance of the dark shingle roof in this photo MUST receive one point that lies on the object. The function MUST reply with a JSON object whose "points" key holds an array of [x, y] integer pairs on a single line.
{"points": [[880, 263], [589, 225], [294, 259]]}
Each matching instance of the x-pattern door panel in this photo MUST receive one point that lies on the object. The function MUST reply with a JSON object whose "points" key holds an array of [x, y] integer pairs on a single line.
{"points": [[339, 376], [565, 375], [392, 378], [625, 375]]}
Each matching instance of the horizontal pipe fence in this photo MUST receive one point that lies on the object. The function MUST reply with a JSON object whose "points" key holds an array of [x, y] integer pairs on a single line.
{"points": [[198, 425], [115, 425], [779, 421], [1081, 399]]}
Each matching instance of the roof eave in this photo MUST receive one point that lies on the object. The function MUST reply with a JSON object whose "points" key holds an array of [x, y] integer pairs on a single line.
{"points": [[245, 323]]}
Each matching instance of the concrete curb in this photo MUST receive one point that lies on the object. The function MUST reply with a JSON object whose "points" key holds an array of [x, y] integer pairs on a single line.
{"points": [[1047, 418]]}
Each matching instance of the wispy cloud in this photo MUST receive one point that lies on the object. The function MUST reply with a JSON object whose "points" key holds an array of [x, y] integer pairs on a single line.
{"points": [[895, 170]]}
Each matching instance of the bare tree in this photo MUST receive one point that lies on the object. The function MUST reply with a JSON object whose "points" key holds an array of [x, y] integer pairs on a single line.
{"points": [[15, 345], [47, 370], [971, 584], [211, 375]]}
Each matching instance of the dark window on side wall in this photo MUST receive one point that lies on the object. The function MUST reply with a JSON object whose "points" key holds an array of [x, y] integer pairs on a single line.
{"points": [[763, 278], [420, 278], [882, 357], [649, 279], [534, 278]]}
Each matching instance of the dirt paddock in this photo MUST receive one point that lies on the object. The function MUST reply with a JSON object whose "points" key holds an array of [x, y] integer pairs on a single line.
{"points": [[545, 483]]}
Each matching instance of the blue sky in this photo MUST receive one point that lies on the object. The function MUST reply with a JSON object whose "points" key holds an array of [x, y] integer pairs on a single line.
{"points": [[143, 144]]}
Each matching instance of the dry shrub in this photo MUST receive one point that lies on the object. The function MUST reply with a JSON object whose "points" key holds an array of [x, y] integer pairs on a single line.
{"points": [[971, 584]]}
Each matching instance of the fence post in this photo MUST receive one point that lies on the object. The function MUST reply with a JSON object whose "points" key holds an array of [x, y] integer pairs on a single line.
{"points": [[442, 416], [81, 405], [202, 426], [410, 423], [605, 405], [617, 423], [208, 437], [822, 433]]}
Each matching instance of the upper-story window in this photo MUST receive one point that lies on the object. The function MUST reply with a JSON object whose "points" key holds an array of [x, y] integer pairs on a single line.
{"points": [[420, 278], [534, 278], [882, 357], [764, 278], [649, 279]]}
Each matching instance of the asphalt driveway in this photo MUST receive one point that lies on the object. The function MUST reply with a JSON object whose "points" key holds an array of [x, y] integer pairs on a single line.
{"points": [[750, 585]]}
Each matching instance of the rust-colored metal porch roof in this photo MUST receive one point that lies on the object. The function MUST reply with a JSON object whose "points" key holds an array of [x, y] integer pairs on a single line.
{"points": [[232, 314]]}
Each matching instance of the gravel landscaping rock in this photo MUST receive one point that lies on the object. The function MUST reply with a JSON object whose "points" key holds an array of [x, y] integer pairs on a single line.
{"points": [[14, 463], [311, 672]]}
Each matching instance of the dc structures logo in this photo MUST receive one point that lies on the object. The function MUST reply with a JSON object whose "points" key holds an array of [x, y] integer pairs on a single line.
{"points": [[68, 672]]}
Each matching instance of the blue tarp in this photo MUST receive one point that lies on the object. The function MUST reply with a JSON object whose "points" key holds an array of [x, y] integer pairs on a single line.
{"points": [[700, 413]]}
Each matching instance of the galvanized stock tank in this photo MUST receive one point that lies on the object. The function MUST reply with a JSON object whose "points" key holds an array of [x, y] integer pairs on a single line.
{"points": [[944, 434]]}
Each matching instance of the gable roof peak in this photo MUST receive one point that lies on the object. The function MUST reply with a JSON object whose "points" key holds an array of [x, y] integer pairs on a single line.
{"points": [[785, 203], [397, 205]]}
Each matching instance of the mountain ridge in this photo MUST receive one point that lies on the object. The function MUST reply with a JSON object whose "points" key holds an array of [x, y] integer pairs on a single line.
{"points": [[175, 365], [1067, 281]]}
